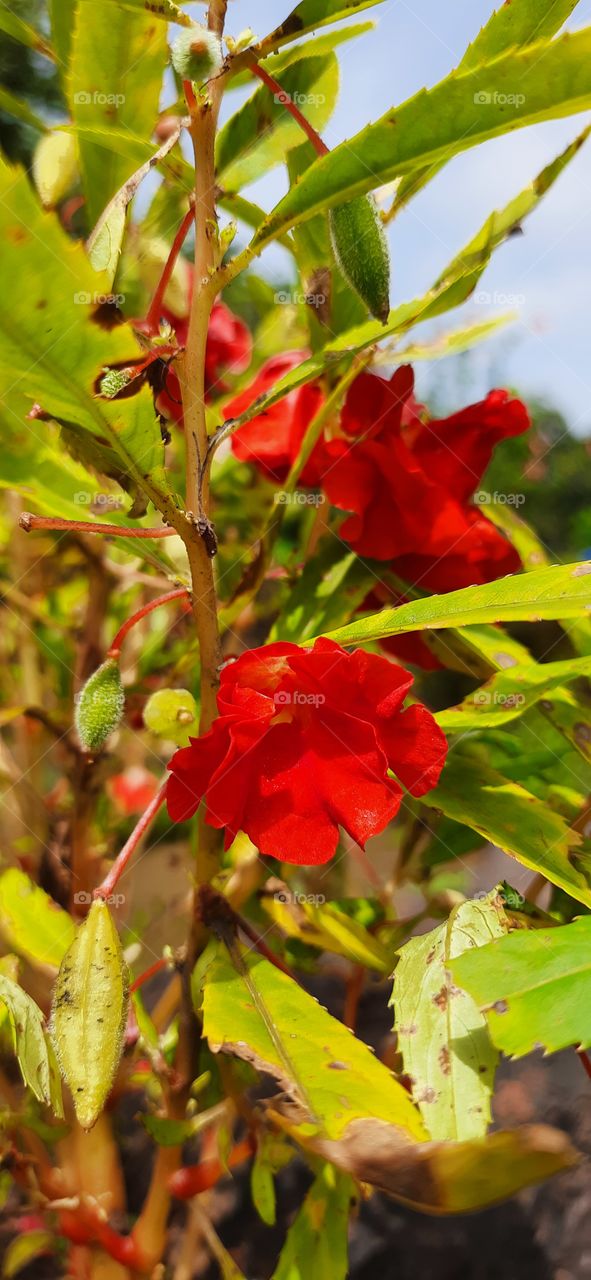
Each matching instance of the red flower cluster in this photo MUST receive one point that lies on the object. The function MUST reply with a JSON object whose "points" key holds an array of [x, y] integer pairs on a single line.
{"points": [[228, 350], [303, 746]]}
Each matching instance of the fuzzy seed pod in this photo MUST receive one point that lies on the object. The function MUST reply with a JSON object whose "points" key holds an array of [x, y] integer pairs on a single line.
{"points": [[197, 54], [172, 714], [361, 250], [100, 706]]}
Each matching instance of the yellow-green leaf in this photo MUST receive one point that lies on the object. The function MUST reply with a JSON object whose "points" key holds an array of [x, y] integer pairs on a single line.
{"points": [[31, 923], [32, 1046], [442, 1035], [55, 167], [90, 1011]]}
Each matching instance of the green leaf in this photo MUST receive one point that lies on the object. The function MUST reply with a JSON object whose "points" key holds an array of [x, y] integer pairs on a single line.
{"points": [[24, 1249], [55, 167], [31, 923], [534, 987], [316, 47], [454, 286], [63, 17], [165, 9], [442, 1036], [448, 344], [328, 591], [12, 106], [507, 815], [115, 75], [33, 1049], [14, 27], [52, 352], [106, 239], [258, 136], [510, 694], [561, 591], [325, 926], [514, 25], [542, 82], [311, 14], [317, 1241], [258, 1013], [89, 1013]]}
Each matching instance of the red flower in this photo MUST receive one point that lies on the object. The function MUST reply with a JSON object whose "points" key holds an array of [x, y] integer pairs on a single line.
{"points": [[271, 441], [228, 350], [302, 746], [408, 482]]}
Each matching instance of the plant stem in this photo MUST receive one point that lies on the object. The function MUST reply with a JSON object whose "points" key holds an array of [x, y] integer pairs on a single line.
{"points": [[151, 323], [112, 878], [284, 99], [30, 523], [177, 594]]}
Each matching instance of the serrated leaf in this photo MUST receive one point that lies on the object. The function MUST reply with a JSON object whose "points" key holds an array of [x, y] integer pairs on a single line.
{"points": [[317, 46], [32, 1047], [509, 816], [263, 1016], [545, 81], [534, 988], [117, 62], [13, 106], [442, 1035], [31, 923], [14, 27], [509, 694], [317, 1241], [89, 1013], [453, 287], [562, 591], [51, 352], [165, 9], [260, 133], [514, 25], [63, 15], [310, 14]]}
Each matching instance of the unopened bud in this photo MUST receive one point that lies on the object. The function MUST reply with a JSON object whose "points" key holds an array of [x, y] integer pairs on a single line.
{"points": [[197, 54], [361, 250], [100, 706]]}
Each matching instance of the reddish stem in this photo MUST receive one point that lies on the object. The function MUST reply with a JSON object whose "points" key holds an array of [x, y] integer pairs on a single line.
{"points": [[114, 875], [151, 324], [262, 947], [190, 1180], [190, 98], [281, 96], [115, 648], [157, 967], [30, 523]]}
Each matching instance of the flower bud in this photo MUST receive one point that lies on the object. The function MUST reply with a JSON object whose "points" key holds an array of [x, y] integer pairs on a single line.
{"points": [[100, 706], [361, 250], [197, 54], [172, 714]]}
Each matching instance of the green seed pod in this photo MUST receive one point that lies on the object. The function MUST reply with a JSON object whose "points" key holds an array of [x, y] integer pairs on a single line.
{"points": [[172, 714], [197, 54], [361, 250], [100, 706]]}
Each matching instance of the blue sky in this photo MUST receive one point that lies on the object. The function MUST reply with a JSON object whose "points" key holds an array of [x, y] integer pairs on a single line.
{"points": [[547, 352]]}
